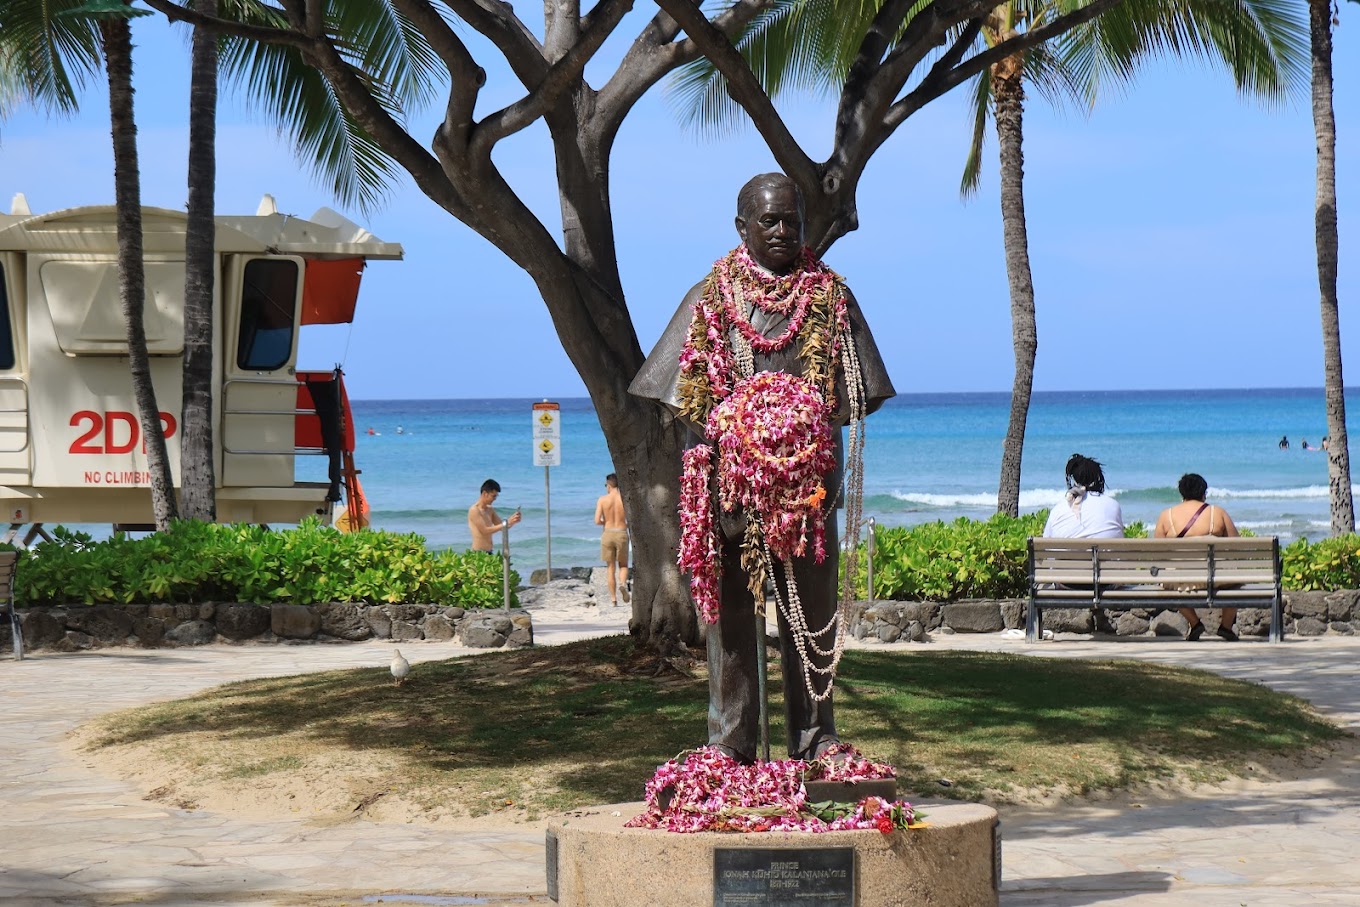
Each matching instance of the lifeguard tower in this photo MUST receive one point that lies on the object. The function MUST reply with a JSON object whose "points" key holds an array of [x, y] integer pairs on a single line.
{"points": [[71, 446]]}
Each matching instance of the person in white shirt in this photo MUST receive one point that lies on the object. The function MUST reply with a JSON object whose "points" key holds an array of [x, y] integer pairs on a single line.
{"points": [[1085, 512]]}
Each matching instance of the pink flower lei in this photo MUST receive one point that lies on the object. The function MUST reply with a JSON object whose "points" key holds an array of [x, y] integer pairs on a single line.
{"points": [[771, 430], [706, 790], [775, 445], [739, 279], [811, 295]]}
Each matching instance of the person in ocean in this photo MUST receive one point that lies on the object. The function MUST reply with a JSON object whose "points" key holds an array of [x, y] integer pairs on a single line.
{"points": [[1196, 518], [1085, 512], [1284, 443]]}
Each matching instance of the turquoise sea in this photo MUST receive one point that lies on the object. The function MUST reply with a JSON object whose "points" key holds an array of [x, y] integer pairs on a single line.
{"points": [[929, 457]]}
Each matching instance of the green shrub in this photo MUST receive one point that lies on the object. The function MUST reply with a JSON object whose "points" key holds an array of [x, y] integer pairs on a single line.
{"points": [[963, 559], [192, 562], [987, 559], [1330, 563]]}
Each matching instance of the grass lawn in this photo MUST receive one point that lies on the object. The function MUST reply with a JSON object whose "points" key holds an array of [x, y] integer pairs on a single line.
{"points": [[541, 730]]}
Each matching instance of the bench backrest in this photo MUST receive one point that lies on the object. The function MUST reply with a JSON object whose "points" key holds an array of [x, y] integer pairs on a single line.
{"points": [[1234, 562], [8, 559]]}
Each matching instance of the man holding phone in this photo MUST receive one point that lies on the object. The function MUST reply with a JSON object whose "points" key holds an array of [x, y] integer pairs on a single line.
{"points": [[483, 521]]}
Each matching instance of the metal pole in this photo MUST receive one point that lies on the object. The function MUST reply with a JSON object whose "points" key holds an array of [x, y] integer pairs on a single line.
{"points": [[762, 670], [547, 515], [17, 632], [869, 569], [505, 567]]}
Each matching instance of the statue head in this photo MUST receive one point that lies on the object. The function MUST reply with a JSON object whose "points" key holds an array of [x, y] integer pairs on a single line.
{"points": [[770, 220]]}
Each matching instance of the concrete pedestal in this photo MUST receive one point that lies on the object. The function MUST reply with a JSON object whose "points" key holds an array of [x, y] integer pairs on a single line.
{"points": [[593, 861]]}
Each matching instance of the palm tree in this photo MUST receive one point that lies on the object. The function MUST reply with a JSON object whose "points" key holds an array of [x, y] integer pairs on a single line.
{"points": [[1320, 21], [1259, 42], [810, 43], [113, 19], [198, 483]]}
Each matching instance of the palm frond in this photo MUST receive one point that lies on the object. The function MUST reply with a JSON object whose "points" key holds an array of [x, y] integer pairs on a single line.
{"points": [[980, 106], [47, 56], [1263, 43], [385, 50]]}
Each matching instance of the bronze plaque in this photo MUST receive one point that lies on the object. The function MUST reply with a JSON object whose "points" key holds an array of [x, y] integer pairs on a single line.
{"points": [[784, 877], [550, 846]]}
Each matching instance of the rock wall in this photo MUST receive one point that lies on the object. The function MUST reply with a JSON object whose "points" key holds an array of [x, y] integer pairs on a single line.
{"points": [[79, 627], [1305, 614]]}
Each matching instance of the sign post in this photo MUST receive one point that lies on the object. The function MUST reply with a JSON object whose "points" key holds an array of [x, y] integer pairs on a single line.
{"points": [[547, 453]]}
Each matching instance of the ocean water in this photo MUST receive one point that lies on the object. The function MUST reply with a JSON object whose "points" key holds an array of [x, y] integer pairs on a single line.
{"points": [[929, 457]]}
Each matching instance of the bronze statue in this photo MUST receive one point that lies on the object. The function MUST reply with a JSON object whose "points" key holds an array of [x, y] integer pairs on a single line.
{"points": [[769, 306]]}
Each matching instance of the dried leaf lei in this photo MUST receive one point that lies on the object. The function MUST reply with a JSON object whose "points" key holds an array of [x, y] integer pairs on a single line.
{"points": [[707, 790], [774, 437]]}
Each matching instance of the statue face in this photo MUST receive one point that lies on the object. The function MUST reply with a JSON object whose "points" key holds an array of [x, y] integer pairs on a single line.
{"points": [[773, 228]]}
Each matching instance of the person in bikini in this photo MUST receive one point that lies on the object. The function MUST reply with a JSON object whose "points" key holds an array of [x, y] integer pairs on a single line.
{"points": [[614, 542], [1192, 517]]}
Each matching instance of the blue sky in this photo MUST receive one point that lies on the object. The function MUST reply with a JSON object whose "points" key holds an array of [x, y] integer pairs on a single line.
{"points": [[1171, 234]]}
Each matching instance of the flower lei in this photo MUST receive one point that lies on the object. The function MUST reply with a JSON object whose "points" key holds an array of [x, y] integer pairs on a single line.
{"points": [[811, 295], [773, 438], [707, 790]]}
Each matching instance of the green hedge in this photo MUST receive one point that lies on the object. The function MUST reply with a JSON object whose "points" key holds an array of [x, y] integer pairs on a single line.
{"points": [[987, 559], [1331, 563], [194, 562]]}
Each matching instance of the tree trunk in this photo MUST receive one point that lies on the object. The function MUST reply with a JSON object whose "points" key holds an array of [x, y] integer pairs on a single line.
{"points": [[1325, 231], [197, 477], [117, 36], [645, 443], [1008, 88], [663, 614]]}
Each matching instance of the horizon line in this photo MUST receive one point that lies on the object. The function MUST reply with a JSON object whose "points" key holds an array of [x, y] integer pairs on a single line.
{"points": [[899, 396]]}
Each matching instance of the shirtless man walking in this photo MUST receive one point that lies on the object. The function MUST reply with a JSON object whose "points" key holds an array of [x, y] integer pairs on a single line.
{"points": [[614, 542], [483, 521]]}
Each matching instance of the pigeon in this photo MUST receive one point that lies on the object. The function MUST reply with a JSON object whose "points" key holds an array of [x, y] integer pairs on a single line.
{"points": [[400, 667]]}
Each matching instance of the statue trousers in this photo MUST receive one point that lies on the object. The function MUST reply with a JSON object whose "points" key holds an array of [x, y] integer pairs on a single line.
{"points": [[733, 680]]}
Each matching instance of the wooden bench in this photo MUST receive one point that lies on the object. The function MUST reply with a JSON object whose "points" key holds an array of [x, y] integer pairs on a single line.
{"points": [[1119, 574]]}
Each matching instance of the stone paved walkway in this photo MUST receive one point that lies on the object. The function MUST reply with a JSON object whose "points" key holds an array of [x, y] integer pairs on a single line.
{"points": [[70, 836]]}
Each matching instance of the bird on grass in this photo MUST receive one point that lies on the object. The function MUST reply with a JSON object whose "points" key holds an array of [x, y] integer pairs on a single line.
{"points": [[400, 667]]}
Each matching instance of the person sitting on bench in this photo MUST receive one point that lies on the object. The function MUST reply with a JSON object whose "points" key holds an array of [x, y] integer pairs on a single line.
{"points": [[1192, 517], [1085, 512]]}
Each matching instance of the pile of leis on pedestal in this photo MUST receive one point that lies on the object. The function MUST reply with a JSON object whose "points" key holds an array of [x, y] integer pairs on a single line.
{"points": [[774, 448], [707, 790]]}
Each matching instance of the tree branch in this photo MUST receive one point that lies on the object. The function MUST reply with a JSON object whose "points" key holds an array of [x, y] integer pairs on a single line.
{"points": [[745, 90], [262, 33], [951, 57], [936, 84], [562, 26], [563, 74], [496, 21], [315, 20], [653, 54], [465, 76]]}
